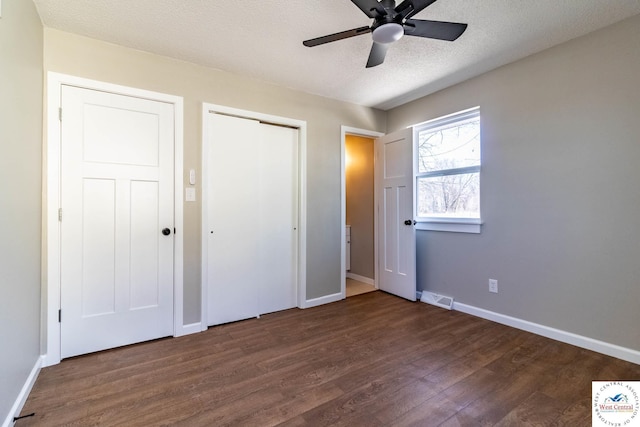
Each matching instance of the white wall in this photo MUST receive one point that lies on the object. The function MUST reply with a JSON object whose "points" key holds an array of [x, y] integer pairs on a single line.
{"points": [[559, 184], [20, 196]]}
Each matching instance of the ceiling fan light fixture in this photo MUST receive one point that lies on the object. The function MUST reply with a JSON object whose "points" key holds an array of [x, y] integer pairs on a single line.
{"points": [[388, 33], [389, 25]]}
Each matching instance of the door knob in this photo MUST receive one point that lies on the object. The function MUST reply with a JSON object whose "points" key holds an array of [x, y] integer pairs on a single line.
{"points": [[409, 222], [166, 231]]}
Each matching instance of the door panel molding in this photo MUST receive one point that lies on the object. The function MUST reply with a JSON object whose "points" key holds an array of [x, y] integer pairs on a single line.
{"points": [[51, 224]]}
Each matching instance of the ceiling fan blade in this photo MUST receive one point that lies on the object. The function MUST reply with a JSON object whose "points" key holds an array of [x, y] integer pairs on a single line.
{"points": [[372, 8], [377, 54], [434, 29], [408, 8], [337, 36]]}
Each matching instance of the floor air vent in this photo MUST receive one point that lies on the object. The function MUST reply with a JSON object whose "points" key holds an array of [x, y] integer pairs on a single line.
{"points": [[435, 299]]}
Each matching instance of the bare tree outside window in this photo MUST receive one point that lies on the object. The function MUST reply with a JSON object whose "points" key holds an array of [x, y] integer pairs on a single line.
{"points": [[448, 172]]}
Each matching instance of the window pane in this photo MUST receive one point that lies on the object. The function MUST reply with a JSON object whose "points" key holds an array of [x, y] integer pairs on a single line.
{"points": [[449, 196], [452, 147]]}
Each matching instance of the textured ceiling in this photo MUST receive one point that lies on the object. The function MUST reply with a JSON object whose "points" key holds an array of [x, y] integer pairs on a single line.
{"points": [[262, 39]]}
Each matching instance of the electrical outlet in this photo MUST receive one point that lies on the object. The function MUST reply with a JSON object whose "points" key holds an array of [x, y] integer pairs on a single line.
{"points": [[493, 285]]}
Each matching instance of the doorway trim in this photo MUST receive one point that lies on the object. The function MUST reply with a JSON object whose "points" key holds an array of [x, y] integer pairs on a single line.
{"points": [[301, 125], [51, 286], [344, 131]]}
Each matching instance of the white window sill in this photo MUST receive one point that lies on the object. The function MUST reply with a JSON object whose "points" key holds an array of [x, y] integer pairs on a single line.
{"points": [[451, 225]]}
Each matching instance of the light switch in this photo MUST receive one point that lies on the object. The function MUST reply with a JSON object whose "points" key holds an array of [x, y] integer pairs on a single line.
{"points": [[192, 176], [190, 194]]}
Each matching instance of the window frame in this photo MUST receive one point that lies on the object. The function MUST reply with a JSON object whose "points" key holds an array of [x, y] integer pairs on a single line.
{"points": [[459, 225]]}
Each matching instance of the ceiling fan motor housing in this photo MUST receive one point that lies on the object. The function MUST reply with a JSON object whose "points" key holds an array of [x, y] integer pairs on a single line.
{"points": [[388, 5]]}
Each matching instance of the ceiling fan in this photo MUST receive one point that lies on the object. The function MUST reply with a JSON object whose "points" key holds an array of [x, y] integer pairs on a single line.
{"points": [[390, 23]]}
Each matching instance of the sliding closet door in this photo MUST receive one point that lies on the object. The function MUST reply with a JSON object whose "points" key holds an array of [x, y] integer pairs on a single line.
{"points": [[252, 215], [233, 220], [278, 218]]}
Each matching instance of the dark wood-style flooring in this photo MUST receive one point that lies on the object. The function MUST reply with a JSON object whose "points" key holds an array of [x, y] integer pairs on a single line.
{"points": [[371, 360]]}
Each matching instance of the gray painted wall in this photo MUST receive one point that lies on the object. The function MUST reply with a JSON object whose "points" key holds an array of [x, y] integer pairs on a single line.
{"points": [[560, 189], [20, 195]]}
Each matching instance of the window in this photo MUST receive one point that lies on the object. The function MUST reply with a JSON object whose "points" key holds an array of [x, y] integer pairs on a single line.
{"points": [[448, 173]]}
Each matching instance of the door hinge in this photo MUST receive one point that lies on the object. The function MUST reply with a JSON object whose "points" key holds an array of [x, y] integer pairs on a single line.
{"points": [[59, 214], [60, 316], [60, 113]]}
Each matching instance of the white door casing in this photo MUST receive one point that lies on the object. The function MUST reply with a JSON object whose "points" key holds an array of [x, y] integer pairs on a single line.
{"points": [[396, 231], [51, 287], [252, 218], [116, 197]]}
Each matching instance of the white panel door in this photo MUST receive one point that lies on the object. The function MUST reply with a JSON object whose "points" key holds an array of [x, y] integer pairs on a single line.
{"points": [[252, 216], [396, 231], [116, 198]]}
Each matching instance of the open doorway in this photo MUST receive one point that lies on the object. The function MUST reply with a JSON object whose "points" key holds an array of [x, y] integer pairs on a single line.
{"points": [[359, 253]]}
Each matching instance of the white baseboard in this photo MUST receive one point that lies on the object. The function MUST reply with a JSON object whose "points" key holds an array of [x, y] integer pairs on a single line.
{"points": [[24, 393], [322, 300], [49, 360], [613, 350], [359, 278], [191, 328]]}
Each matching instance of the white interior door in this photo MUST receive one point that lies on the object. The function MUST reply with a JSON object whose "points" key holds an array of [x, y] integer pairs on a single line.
{"points": [[252, 217], [396, 231], [116, 198]]}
